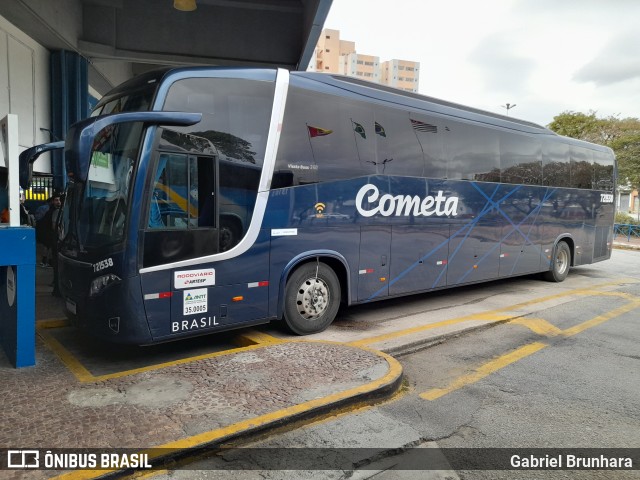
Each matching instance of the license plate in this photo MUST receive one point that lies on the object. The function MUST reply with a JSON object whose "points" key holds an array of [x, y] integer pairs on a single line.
{"points": [[71, 306]]}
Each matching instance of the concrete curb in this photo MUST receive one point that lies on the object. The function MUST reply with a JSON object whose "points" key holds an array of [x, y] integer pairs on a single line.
{"points": [[428, 342], [626, 246]]}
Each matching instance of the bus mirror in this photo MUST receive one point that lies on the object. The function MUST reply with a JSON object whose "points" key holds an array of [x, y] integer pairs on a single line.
{"points": [[85, 134], [30, 155]]}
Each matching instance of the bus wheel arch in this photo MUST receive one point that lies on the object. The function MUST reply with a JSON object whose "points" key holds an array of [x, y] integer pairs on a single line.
{"points": [[561, 260], [313, 293]]}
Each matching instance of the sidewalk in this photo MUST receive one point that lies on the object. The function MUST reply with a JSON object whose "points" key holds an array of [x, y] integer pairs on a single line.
{"points": [[204, 400]]}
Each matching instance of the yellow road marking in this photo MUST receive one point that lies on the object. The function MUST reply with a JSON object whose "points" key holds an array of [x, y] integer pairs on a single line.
{"points": [[611, 294], [81, 373], [537, 325], [601, 318], [52, 323], [84, 375], [246, 341], [253, 337], [484, 370]]}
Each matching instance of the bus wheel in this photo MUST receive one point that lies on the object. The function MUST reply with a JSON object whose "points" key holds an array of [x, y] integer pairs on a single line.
{"points": [[560, 263], [312, 298]]}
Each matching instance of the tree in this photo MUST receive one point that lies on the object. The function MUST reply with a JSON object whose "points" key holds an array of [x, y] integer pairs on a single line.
{"points": [[621, 135], [627, 150]]}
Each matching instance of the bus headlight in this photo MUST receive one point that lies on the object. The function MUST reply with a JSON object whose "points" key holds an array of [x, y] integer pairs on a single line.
{"points": [[100, 283]]}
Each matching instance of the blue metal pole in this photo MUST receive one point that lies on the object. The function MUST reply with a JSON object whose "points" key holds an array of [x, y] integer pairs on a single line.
{"points": [[69, 103], [17, 294]]}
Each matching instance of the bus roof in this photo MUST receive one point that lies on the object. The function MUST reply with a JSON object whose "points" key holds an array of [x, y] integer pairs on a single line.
{"points": [[418, 101], [422, 102], [370, 90]]}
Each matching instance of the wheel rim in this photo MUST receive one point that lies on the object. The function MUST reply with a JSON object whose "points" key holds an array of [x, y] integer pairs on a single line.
{"points": [[313, 298], [562, 261]]}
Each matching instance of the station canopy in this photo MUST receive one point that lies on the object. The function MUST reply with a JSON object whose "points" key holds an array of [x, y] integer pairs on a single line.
{"points": [[133, 36]]}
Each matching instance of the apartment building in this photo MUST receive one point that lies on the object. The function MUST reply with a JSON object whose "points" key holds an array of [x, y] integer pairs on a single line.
{"points": [[402, 74], [365, 66], [334, 55]]}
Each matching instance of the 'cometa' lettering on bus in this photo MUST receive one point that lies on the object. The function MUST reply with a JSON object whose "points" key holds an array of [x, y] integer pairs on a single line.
{"points": [[405, 205]]}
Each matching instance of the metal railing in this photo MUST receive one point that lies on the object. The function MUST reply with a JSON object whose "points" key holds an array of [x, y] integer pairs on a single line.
{"points": [[627, 230]]}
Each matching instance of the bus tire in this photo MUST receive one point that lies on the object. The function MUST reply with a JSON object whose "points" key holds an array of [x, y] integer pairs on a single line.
{"points": [[560, 263], [312, 298]]}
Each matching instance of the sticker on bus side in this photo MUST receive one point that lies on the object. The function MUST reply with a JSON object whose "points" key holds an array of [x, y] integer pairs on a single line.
{"points": [[194, 278], [284, 232], [195, 301]]}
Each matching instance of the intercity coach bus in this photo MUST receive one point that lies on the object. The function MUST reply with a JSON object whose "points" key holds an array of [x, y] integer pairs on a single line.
{"points": [[207, 199]]}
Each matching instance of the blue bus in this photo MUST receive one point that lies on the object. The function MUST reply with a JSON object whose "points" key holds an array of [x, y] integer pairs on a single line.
{"points": [[207, 199]]}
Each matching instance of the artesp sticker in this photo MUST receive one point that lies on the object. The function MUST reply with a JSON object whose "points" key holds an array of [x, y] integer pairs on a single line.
{"points": [[194, 278]]}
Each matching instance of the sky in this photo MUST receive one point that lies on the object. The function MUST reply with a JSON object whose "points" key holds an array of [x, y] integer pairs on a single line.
{"points": [[544, 56]]}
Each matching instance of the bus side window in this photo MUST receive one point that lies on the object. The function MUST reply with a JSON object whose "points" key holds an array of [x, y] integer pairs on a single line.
{"points": [[556, 166], [325, 138], [183, 193], [169, 202], [602, 171], [520, 159], [581, 167], [473, 152]]}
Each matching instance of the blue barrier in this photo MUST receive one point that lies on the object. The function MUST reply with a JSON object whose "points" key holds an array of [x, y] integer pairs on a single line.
{"points": [[627, 230], [17, 294]]}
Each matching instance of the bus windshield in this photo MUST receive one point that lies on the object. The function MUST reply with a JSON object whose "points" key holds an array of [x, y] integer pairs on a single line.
{"points": [[101, 200], [95, 210], [135, 96]]}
